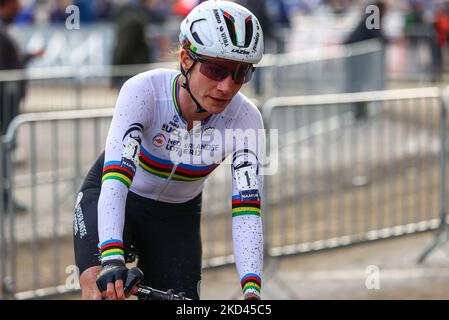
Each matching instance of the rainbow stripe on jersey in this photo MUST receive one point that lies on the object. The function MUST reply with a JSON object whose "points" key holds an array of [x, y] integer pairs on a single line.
{"points": [[163, 168]]}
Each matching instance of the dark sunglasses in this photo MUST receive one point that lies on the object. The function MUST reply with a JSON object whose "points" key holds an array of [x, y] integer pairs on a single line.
{"points": [[218, 71]]}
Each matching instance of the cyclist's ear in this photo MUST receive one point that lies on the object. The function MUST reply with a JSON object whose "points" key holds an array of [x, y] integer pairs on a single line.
{"points": [[186, 60]]}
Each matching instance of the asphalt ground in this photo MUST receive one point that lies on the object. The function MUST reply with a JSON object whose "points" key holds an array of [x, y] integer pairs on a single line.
{"points": [[379, 270]]}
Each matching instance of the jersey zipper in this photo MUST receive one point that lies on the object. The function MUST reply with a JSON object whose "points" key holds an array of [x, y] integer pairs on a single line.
{"points": [[190, 132], [168, 181], [173, 170]]}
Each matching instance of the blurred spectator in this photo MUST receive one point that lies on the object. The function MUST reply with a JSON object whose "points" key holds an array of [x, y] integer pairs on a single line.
{"points": [[418, 32], [157, 11], [104, 10], [131, 46], [26, 14], [11, 92], [42, 11], [279, 13], [357, 75], [308, 6], [362, 33], [260, 10], [87, 10], [414, 18], [58, 13], [280, 17], [441, 25], [339, 6], [183, 7]]}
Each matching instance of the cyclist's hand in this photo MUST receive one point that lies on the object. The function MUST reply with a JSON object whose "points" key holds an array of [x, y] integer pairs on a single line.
{"points": [[88, 285], [251, 296], [110, 281]]}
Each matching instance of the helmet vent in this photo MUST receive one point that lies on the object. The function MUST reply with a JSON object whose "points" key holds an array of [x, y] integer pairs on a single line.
{"points": [[197, 38], [230, 24], [248, 31], [199, 33]]}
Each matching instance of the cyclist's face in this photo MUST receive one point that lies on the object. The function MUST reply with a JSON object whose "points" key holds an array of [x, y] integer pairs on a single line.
{"points": [[215, 95]]}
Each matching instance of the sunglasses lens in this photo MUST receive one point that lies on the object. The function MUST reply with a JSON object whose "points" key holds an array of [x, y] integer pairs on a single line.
{"points": [[218, 72], [213, 72], [243, 76]]}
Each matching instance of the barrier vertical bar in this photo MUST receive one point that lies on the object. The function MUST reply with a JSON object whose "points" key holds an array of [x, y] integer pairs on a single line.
{"points": [[34, 220], [264, 207], [271, 263], [97, 134], [298, 225], [10, 282], [55, 203], [77, 151], [2, 230], [443, 161], [77, 143], [443, 230]]}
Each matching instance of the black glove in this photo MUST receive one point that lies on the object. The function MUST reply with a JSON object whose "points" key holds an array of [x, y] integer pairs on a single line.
{"points": [[112, 271]]}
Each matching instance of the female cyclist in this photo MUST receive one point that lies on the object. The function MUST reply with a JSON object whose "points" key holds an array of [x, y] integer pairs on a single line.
{"points": [[143, 195]]}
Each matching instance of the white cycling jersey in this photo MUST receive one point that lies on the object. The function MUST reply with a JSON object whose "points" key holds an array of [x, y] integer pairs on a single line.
{"points": [[150, 152]]}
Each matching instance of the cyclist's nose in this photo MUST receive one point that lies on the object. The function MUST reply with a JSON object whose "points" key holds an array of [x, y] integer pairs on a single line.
{"points": [[226, 85]]}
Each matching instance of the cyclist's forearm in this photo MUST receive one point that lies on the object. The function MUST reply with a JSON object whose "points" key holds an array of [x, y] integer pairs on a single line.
{"points": [[111, 218], [248, 251], [122, 152]]}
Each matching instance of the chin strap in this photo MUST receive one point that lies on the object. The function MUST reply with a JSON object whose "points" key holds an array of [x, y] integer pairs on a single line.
{"points": [[185, 85]]}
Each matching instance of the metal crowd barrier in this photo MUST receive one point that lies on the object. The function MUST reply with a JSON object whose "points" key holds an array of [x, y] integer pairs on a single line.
{"points": [[345, 179], [311, 71], [58, 148], [341, 180], [36, 249]]}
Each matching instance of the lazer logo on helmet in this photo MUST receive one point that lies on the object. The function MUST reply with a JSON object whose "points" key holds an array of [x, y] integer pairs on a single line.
{"points": [[240, 51]]}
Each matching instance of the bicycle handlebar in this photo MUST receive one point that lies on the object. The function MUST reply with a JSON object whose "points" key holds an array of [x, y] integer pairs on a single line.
{"points": [[135, 276], [147, 293]]}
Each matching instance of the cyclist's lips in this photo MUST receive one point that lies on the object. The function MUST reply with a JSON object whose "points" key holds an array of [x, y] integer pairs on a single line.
{"points": [[219, 99]]}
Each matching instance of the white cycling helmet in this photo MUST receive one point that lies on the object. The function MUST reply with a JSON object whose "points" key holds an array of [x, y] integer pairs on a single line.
{"points": [[223, 29]]}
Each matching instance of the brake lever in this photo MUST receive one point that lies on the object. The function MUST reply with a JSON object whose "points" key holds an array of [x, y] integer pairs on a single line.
{"points": [[133, 277]]}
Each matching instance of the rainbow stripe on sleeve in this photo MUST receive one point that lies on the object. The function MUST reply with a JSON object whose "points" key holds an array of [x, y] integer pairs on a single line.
{"points": [[112, 249], [113, 170], [251, 282], [245, 207]]}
